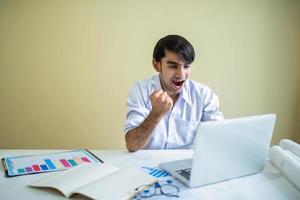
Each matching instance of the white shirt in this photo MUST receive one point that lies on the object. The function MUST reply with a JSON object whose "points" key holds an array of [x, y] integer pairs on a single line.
{"points": [[177, 129]]}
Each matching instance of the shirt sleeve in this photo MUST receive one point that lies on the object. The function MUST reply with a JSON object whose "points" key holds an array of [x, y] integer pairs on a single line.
{"points": [[211, 109], [137, 109]]}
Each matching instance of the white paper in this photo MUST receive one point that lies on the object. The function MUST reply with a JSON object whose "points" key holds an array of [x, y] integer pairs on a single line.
{"points": [[97, 181], [69, 181], [286, 164], [290, 145], [48, 162], [118, 185]]}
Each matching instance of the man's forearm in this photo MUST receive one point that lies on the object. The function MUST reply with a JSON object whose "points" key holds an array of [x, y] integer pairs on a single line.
{"points": [[138, 137]]}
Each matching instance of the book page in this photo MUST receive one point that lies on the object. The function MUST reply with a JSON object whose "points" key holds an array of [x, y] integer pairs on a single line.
{"points": [[118, 185], [70, 180]]}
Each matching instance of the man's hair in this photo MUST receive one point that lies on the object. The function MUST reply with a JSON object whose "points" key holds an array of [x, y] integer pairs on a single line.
{"points": [[176, 44]]}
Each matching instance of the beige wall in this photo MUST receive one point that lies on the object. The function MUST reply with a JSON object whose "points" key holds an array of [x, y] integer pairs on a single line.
{"points": [[66, 66], [297, 132]]}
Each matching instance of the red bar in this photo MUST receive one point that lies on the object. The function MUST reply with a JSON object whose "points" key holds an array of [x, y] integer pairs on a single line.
{"points": [[85, 159], [65, 162], [36, 168]]}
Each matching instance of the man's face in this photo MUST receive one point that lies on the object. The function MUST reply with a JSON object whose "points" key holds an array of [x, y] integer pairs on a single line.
{"points": [[173, 72]]}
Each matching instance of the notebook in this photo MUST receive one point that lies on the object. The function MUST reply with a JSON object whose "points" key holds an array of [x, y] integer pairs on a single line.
{"points": [[225, 150], [97, 181]]}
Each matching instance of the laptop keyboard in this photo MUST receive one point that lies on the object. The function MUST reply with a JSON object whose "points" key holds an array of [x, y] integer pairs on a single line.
{"points": [[186, 173]]}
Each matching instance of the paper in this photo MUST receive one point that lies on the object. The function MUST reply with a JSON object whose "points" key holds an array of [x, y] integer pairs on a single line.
{"points": [[31, 164], [97, 181], [291, 146], [118, 185], [286, 164], [71, 180]]}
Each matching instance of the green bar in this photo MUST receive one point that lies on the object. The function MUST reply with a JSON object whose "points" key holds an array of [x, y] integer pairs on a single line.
{"points": [[21, 170], [72, 162]]}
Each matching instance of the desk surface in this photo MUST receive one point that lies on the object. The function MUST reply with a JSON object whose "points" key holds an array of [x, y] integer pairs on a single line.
{"points": [[269, 184]]}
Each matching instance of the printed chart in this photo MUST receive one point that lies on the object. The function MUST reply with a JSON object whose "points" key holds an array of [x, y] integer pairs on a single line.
{"points": [[30, 164], [156, 172]]}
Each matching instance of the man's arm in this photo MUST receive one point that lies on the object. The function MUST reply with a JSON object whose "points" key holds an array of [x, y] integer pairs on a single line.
{"points": [[138, 137]]}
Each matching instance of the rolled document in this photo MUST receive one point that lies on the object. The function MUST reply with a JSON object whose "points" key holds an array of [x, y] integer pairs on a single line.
{"points": [[286, 164], [291, 146]]}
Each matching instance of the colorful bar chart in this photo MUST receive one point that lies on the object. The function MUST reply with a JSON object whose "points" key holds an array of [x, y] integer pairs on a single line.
{"points": [[156, 172], [21, 165]]}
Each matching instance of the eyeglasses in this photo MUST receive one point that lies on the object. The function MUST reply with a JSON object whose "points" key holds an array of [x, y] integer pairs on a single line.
{"points": [[146, 191]]}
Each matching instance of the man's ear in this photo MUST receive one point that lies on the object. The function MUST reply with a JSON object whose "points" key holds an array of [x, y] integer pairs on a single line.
{"points": [[156, 65]]}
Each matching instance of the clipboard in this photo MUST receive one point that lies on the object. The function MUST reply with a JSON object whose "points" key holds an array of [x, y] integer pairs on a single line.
{"points": [[48, 162]]}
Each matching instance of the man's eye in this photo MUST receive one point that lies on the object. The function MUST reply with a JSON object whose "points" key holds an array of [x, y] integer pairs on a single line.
{"points": [[173, 66], [187, 66]]}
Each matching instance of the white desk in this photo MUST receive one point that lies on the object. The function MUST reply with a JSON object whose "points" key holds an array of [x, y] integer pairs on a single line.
{"points": [[268, 185]]}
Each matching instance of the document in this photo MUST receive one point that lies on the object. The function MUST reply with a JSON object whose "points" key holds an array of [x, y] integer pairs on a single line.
{"points": [[49, 162], [97, 181]]}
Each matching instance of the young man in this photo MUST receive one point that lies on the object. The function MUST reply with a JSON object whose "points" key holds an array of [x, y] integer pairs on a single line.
{"points": [[165, 109]]}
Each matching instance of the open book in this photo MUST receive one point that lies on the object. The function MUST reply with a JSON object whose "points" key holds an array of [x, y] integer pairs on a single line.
{"points": [[97, 181], [286, 157]]}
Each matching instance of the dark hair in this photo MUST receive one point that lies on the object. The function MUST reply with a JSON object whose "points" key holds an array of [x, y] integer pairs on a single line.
{"points": [[177, 44]]}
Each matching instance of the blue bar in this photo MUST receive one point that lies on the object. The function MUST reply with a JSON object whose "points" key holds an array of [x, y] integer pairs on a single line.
{"points": [[153, 172], [11, 171], [165, 174], [44, 167], [160, 174], [9, 163], [156, 173], [50, 164]]}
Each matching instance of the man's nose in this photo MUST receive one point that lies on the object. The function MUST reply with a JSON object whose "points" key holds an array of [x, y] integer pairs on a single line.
{"points": [[180, 72]]}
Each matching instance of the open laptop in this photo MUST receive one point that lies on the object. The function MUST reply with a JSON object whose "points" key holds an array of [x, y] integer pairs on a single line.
{"points": [[225, 150]]}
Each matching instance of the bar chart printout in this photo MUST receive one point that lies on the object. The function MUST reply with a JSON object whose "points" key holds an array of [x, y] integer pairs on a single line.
{"points": [[30, 164]]}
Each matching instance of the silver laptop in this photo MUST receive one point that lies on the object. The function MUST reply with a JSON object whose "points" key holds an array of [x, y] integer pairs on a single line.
{"points": [[225, 150]]}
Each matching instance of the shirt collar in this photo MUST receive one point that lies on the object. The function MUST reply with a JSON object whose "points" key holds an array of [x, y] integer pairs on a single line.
{"points": [[185, 92]]}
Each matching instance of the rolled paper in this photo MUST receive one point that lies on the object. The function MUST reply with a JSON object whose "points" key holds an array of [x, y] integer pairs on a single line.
{"points": [[291, 146], [286, 164]]}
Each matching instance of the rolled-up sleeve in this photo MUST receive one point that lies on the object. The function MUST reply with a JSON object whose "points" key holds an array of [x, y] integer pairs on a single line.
{"points": [[136, 107]]}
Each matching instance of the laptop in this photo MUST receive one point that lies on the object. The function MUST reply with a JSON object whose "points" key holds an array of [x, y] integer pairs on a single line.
{"points": [[225, 150]]}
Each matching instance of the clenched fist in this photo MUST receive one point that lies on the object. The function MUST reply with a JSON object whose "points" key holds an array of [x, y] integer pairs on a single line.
{"points": [[161, 103]]}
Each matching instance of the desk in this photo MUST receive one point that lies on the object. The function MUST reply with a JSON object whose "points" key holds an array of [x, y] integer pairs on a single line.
{"points": [[268, 185]]}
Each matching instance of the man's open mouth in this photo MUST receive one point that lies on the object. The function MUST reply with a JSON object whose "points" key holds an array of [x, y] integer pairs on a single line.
{"points": [[178, 83]]}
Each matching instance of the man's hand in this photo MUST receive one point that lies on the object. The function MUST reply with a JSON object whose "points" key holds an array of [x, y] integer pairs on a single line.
{"points": [[138, 137], [161, 103]]}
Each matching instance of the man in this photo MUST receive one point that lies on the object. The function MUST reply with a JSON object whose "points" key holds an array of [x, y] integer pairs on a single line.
{"points": [[165, 109]]}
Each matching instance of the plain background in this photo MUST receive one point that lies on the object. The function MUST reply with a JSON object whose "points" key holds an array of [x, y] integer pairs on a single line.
{"points": [[66, 66]]}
